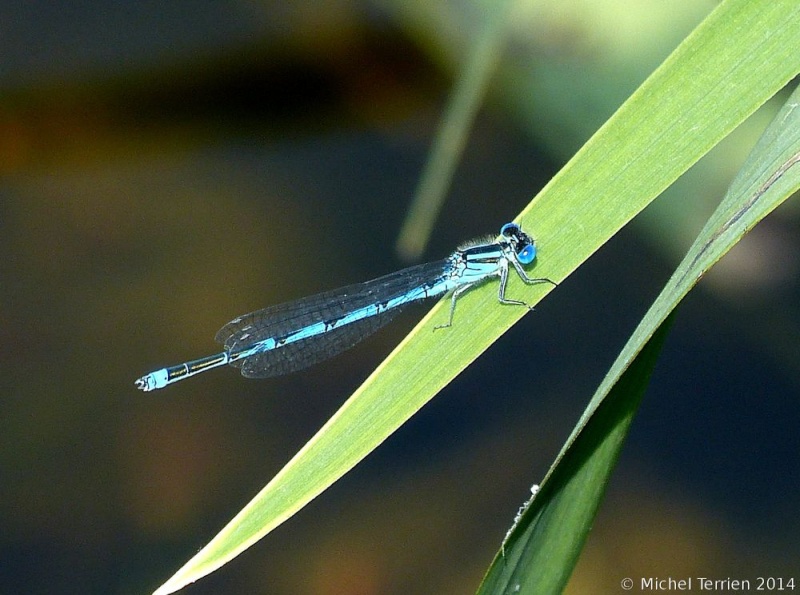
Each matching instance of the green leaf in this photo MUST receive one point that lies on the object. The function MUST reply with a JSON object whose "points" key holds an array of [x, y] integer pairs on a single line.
{"points": [[740, 56], [541, 550], [545, 542], [453, 131]]}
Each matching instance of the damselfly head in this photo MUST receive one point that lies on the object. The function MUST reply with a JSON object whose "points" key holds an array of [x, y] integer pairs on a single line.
{"points": [[522, 244]]}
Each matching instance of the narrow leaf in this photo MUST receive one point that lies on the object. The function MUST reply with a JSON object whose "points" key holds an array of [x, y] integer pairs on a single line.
{"points": [[542, 548]]}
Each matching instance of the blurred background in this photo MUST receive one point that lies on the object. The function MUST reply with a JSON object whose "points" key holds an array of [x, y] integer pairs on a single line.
{"points": [[165, 167]]}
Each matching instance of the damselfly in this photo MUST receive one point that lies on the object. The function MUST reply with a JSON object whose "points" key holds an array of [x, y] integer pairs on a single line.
{"points": [[291, 336]]}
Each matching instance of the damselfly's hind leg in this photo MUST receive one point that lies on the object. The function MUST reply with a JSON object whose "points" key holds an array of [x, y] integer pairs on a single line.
{"points": [[501, 292], [453, 298]]}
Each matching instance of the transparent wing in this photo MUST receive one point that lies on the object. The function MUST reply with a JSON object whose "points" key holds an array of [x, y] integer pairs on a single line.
{"points": [[327, 307]]}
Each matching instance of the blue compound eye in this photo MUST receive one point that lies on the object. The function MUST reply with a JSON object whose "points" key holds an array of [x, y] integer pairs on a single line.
{"points": [[509, 229], [527, 254]]}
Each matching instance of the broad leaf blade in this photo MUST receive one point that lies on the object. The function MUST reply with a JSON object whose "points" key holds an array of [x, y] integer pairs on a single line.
{"points": [[706, 88]]}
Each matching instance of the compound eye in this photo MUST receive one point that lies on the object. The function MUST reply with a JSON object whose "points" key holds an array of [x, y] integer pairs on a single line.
{"points": [[527, 254], [509, 230]]}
